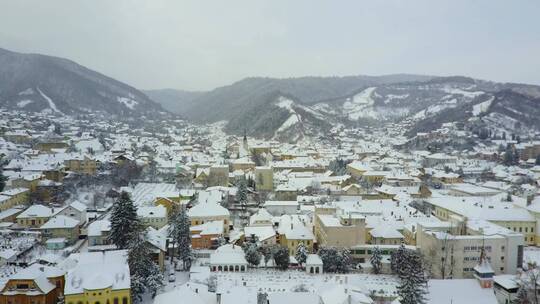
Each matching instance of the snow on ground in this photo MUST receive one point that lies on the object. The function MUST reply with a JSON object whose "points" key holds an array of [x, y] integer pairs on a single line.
{"points": [[432, 110], [361, 105], [24, 103], [28, 91], [128, 102], [52, 105], [457, 91], [391, 97], [285, 103], [482, 107], [270, 280], [291, 121]]}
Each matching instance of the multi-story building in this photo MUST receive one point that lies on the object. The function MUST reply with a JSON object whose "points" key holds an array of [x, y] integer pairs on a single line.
{"points": [[35, 284], [154, 216], [99, 277], [339, 228], [454, 252], [494, 209]]}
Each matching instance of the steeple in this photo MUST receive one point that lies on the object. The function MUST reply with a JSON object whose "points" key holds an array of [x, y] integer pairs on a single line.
{"points": [[483, 271]]}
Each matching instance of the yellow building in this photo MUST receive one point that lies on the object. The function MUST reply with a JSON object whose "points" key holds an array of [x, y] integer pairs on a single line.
{"points": [[35, 284], [13, 197], [61, 226], [293, 230], [35, 216], [81, 164], [492, 209], [208, 212], [99, 278]]}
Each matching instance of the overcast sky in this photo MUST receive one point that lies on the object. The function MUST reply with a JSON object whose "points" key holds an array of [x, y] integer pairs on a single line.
{"points": [[199, 45]]}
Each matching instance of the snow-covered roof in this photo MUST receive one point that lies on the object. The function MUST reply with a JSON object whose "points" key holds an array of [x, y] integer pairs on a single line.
{"points": [[208, 210], [313, 260], [470, 292], [228, 254], [98, 270], [60, 221]]}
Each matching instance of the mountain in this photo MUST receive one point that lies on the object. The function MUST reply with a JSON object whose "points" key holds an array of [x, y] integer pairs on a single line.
{"points": [[290, 109], [34, 82], [174, 101], [231, 101]]}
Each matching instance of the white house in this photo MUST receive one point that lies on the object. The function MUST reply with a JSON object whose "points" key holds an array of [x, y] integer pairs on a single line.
{"points": [[228, 258]]}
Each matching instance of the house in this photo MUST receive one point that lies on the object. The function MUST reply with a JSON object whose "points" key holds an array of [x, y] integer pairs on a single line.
{"points": [[278, 208], [205, 236], [35, 284], [61, 226], [153, 216], [228, 257], [13, 197], [157, 238], [261, 218], [76, 210], [265, 235], [81, 163], [209, 211], [98, 277], [314, 264], [35, 216], [98, 233], [294, 230]]}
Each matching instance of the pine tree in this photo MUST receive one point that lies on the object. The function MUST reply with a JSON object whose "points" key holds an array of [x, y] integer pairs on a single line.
{"points": [[376, 260], [412, 288], [301, 253], [3, 178], [509, 157], [267, 254], [182, 237], [242, 199], [252, 254], [124, 221], [397, 258], [335, 260], [281, 257], [145, 273]]}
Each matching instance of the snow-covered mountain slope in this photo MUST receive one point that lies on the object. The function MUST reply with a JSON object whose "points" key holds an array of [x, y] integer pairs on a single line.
{"points": [[33, 82]]}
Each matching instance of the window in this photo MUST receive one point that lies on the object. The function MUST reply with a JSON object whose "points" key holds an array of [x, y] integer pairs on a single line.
{"points": [[124, 300], [115, 301]]}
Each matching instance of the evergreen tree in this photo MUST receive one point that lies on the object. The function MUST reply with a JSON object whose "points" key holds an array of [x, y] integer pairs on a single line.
{"points": [[397, 258], [509, 157], [412, 288], [242, 199], [267, 254], [252, 254], [145, 273], [281, 257], [301, 253], [124, 221], [376, 260], [3, 178], [335, 260], [182, 237]]}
